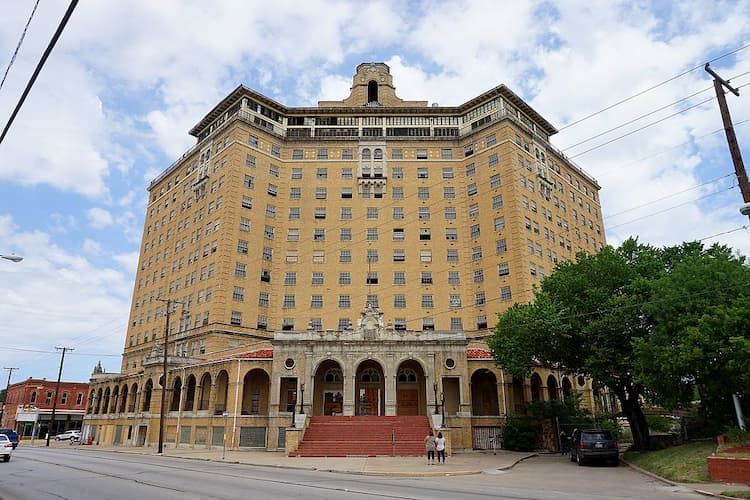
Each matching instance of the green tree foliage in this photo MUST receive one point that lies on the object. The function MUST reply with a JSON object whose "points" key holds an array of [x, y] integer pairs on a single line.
{"points": [[639, 320], [701, 332]]}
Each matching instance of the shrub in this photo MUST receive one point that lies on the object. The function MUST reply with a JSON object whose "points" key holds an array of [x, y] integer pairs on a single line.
{"points": [[658, 423], [520, 434], [737, 436]]}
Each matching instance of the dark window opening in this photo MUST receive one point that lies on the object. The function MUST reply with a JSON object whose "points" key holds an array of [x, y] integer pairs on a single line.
{"points": [[372, 91]]}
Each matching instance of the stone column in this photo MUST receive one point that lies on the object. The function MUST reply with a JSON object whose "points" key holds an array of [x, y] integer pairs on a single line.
{"points": [[350, 386]]}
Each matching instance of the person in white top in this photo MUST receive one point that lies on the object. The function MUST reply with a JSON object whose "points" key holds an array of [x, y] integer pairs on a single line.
{"points": [[440, 447]]}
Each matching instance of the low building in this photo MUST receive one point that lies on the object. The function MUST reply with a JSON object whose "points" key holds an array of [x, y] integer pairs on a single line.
{"points": [[29, 405]]}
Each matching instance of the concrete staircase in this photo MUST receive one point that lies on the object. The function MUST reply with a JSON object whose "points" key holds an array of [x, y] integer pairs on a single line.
{"points": [[364, 436]]}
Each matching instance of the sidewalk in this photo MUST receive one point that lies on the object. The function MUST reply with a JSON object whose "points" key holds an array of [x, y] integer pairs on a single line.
{"points": [[456, 465]]}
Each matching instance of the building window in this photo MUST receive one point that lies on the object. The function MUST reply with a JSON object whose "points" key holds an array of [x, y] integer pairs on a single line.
{"points": [[426, 278], [345, 256], [372, 278], [479, 299], [295, 193], [346, 193], [320, 213], [454, 278], [399, 324], [290, 278], [267, 253], [346, 154], [471, 190], [263, 299], [424, 233], [398, 193], [253, 141], [250, 160], [478, 276], [455, 301], [346, 213], [422, 173], [238, 294], [497, 201], [424, 213], [318, 257], [490, 140], [397, 173], [296, 173], [297, 154], [236, 318], [449, 192], [505, 294], [344, 324], [319, 234], [276, 151], [317, 278], [397, 154], [345, 234], [421, 154], [316, 301], [247, 202], [249, 182], [345, 301], [451, 234], [428, 324], [425, 256], [345, 278], [452, 255], [321, 193], [321, 173], [268, 232], [346, 173], [399, 255], [495, 181], [398, 213], [273, 170], [471, 169], [427, 301], [289, 302], [399, 278], [372, 234], [242, 247], [240, 270], [399, 301], [503, 269], [492, 161], [423, 193], [372, 255], [476, 253], [372, 213], [474, 231], [499, 223], [446, 154]]}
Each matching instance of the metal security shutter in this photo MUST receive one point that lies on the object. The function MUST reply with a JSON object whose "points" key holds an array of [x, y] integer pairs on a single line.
{"points": [[200, 434], [217, 436], [282, 438], [252, 437], [487, 438], [185, 435], [118, 434]]}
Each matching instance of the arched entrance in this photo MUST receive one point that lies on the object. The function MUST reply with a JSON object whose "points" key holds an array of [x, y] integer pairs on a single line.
{"points": [[329, 389], [410, 389], [369, 389], [484, 400], [567, 388], [176, 394], [536, 387], [552, 388], [190, 394], [123, 399], [205, 392], [105, 402], [133, 398], [255, 388], [222, 388], [147, 391]]}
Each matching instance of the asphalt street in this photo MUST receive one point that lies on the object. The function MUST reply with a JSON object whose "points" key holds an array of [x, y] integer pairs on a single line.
{"points": [[69, 473]]}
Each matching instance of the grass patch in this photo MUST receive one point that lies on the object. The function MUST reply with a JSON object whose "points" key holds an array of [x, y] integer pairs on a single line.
{"points": [[685, 463], [737, 493]]}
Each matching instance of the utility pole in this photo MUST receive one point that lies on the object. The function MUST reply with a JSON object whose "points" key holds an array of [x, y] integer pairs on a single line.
{"points": [[5, 401], [57, 389], [734, 148], [169, 303]]}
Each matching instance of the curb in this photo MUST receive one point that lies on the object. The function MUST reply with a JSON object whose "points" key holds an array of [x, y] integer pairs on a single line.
{"points": [[673, 483]]}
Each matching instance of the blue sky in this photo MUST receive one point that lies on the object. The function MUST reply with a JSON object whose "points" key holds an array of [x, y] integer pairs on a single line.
{"points": [[127, 80]]}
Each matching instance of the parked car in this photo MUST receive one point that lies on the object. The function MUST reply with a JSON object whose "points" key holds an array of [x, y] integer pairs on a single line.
{"points": [[12, 435], [72, 434], [6, 447], [594, 444]]}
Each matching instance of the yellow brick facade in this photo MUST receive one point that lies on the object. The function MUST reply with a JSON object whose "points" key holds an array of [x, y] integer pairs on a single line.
{"points": [[286, 223]]}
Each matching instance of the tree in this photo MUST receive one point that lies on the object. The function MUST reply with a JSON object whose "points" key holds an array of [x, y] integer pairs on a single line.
{"points": [[701, 334]]}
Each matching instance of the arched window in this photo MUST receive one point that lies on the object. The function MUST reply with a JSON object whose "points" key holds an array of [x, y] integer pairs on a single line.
{"points": [[407, 375], [378, 154], [370, 375], [33, 396], [333, 375], [372, 91], [366, 154]]}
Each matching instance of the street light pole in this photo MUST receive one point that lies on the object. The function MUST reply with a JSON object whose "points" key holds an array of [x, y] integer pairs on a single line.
{"points": [[5, 400], [442, 404], [434, 389], [169, 303], [302, 399], [57, 390]]}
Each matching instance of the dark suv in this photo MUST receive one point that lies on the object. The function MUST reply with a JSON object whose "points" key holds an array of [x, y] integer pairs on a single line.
{"points": [[12, 435], [594, 444]]}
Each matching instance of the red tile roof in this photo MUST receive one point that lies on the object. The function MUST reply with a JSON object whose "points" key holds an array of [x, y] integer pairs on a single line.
{"points": [[478, 354], [259, 354]]}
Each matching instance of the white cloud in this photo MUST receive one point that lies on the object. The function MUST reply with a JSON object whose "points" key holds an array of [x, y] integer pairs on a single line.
{"points": [[99, 218], [92, 247]]}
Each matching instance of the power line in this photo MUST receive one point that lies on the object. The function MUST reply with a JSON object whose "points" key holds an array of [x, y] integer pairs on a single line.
{"points": [[20, 41], [668, 196], [723, 233], [673, 207], [39, 66], [651, 88]]}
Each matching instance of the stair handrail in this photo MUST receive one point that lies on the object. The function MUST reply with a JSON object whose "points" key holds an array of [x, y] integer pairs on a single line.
{"points": [[393, 442]]}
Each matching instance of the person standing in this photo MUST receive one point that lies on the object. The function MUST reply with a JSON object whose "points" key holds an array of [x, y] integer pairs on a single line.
{"points": [[440, 447], [429, 446]]}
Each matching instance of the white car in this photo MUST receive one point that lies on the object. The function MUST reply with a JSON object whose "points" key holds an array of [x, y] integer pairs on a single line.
{"points": [[73, 434], [6, 447]]}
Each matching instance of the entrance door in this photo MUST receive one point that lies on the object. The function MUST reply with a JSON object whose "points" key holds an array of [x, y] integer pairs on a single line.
{"points": [[142, 435], [408, 401], [369, 398]]}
